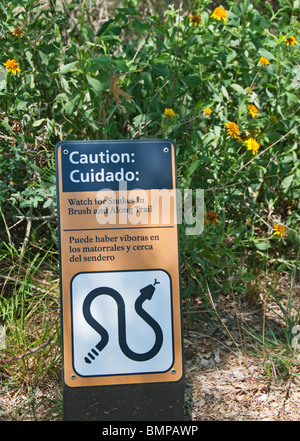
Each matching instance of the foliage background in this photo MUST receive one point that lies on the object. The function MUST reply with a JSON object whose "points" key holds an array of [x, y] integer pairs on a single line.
{"points": [[108, 70]]}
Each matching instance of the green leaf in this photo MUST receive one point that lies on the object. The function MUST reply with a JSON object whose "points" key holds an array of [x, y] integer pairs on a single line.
{"points": [[101, 60], [207, 139], [121, 65], [38, 122], [192, 81], [264, 53], [44, 58], [48, 203], [61, 97], [147, 80], [22, 105], [224, 92], [37, 169], [68, 67], [236, 231], [262, 246], [95, 84], [68, 108], [194, 167], [291, 98], [231, 56], [162, 58], [130, 11], [5, 123], [105, 26], [160, 70], [286, 183], [239, 89]]}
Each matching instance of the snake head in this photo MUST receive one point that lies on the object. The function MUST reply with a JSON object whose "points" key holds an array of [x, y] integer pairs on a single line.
{"points": [[147, 292]]}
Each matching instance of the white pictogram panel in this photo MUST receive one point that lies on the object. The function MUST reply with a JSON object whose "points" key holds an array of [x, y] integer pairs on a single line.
{"points": [[122, 322]]}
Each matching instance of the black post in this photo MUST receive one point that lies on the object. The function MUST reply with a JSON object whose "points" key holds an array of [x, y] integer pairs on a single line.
{"points": [[120, 281], [127, 402]]}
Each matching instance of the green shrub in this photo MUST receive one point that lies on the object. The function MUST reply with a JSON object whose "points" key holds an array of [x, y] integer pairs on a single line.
{"points": [[238, 65]]}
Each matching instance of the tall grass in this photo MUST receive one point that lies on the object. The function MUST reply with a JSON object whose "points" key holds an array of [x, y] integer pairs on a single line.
{"points": [[93, 71]]}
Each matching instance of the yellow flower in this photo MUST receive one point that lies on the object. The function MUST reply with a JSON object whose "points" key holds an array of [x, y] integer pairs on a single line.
{"points": [[264, 61], [280, 230], [253, 145], [195, 19], [18, 32], [252, 110], [169, 112], [12, 66], [211, 217], [207, 110], [219, 13], [232, 129], [290, 40]]}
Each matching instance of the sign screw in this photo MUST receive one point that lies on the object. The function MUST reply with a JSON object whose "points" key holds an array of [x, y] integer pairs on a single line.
{"points": [[73, 376], [173, 371], [166, 149], [65, 151]]}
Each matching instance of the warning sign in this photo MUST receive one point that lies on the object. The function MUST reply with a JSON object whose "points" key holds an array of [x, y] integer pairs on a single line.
{"points": [[121, 312], [128, 317]]}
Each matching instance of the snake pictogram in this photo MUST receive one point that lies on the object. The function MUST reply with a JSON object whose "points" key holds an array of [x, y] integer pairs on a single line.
{"points": [[146, 294]]}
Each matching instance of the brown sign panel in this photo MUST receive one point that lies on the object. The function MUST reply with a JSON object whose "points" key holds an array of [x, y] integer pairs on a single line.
{"points": [[119, 257]]}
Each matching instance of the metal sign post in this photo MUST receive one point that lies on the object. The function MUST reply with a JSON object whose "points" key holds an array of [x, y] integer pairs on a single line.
{"points": [[120, 283]]}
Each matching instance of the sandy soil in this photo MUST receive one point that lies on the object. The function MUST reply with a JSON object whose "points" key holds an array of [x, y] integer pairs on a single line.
{"points": [[229, 377], [229, 381]]}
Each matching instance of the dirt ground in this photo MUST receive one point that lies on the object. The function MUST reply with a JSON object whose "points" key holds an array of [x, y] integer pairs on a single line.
{"points": [[228, 377], [226, 380]]}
